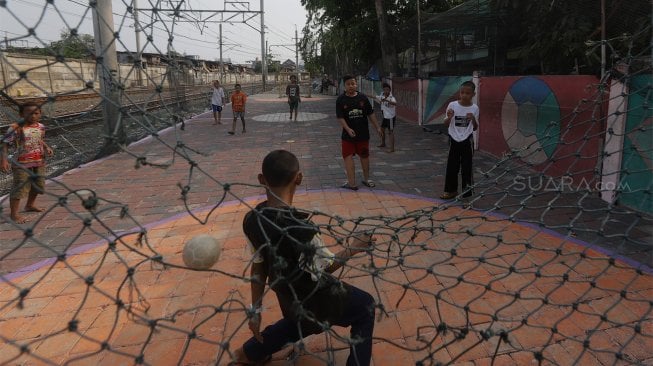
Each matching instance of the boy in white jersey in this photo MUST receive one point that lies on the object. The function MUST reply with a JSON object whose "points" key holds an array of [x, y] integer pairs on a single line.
{"points": [[462, 121], [388, 104], [217, 101]]}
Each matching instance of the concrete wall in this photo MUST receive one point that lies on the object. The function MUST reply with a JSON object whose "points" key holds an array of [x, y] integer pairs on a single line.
{"points": [[32, 76]]}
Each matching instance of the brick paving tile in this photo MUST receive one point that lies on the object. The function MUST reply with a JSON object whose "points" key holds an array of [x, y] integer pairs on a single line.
{"points": [[530, 338], [131, 334], [31, 307], [568, 327], [413, 321], [635, 348], [16, 328], [387, 327], [165, 351], [558, 354], [499, 360], [387, 354], [426, 346], [468, 348], [91, 341], [199, 353], [56, 345], [9, 353], [118, 356]]}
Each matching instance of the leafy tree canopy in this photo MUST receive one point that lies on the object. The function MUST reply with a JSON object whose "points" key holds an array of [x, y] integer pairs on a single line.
{"points": [[70, 45], [73, 45], [561, 34], [344, 39], [558, 35]]}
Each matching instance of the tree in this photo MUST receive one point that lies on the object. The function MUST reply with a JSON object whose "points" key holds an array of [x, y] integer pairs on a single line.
{"points": [[257, 66], [347, 35], [557, 33], [273, 65], [73, 45], [343, 39], [389, 55]]}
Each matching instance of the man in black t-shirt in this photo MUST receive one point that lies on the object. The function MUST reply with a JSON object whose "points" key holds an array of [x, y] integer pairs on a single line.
{"points": [[354, 110], [290, 256]]}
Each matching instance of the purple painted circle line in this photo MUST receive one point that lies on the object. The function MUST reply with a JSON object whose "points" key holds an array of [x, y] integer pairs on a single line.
{"points": [[83, 248]]}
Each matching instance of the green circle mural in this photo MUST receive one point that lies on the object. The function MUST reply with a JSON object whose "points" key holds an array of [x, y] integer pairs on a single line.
{"points": [[530, 120]]}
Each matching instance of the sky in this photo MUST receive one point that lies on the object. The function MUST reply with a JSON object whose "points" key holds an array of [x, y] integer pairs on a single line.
{"points": [[241, 42]]}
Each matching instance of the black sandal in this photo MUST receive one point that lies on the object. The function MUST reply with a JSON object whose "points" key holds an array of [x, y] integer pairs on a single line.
{"points": [[346, 185]]}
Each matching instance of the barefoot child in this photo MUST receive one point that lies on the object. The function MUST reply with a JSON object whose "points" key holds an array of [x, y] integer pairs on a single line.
{"points": [[28, 139]]}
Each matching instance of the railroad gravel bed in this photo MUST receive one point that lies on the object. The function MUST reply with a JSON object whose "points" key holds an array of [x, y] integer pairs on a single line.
{"points": [[76, 146], [76, 142]]}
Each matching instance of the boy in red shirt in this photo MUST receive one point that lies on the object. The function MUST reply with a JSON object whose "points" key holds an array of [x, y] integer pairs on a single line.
{"points": [[28, 165]]}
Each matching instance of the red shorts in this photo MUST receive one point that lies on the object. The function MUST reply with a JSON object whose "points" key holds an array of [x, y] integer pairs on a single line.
{"points": [[360, 148]]}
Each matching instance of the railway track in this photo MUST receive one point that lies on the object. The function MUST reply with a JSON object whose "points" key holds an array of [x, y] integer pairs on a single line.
{"points": [[66, 123], [64, 109], [67, 107], [75, 129]]}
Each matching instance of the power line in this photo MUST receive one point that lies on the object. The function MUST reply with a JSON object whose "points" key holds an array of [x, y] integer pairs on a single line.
{"points": [[151, 25]]}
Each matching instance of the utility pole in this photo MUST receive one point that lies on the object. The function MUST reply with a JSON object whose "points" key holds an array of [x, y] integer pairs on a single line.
{"points": [[419, 42], [139, 57], [221, 62], [267, 52], [299, 75], [107, 73], [264, 64], [233, 11]]}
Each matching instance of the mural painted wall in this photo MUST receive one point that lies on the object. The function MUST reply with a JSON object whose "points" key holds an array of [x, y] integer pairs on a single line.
{"points": [[550, 122], [407, 94], [637, 159], [437, 94]]}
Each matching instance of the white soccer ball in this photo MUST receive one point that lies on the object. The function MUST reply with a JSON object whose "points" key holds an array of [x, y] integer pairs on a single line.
{"points": [[201, 252]]}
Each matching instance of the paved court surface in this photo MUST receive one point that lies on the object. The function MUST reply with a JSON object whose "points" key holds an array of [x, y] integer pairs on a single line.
{"points": [[458, 284]]}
